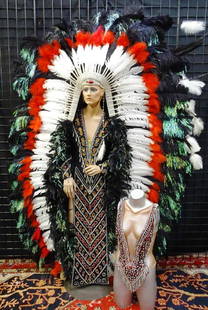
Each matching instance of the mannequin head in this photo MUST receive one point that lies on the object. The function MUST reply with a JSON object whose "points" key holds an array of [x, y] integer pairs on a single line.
{"points": [[92, 91], [136, 194], [92, 94]]}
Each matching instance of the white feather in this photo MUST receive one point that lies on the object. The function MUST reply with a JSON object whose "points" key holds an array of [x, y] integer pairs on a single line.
{"points": [[196, 161], [194, 86], [139, 185], [45, 137], [193, 26], [62, 65], [50, 244], [101, 151], [141, 156], [41, 212], [144, 180], [193, 144], [40, 165], [198, 126], [190, 107]]}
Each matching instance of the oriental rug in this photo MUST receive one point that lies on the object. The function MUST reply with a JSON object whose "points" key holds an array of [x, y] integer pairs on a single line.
{"points": [[177, 290]]}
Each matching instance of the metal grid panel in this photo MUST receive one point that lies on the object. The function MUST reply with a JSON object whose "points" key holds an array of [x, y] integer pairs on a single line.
{"points": [[19, 18]]}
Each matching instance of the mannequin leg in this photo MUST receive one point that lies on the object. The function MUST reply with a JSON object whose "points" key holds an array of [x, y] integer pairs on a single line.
{"points": [[146, 294], [122, 294]]}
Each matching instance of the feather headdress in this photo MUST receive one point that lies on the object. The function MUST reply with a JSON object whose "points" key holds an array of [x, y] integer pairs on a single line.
{"points": [[144, 87]]}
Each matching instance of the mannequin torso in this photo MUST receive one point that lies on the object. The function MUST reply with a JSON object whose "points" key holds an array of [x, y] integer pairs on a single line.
{"points": [[136, 213]]}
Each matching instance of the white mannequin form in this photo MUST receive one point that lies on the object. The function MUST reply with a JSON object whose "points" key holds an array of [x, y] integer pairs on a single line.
{"points": [[137, 200], [137, 209]]}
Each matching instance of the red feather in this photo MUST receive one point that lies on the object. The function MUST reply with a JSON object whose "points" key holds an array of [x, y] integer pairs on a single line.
{"points": [[155, 186], [36, 89], [35, 124], [37, 234], [41, 242], [33, 110], [30, 210], [158, 157], [157, 172], [30, 142], [108, 37], [57, 268], [139, 51], [26, 160], [153, 196], [148, 65], [151, 81], [34, 222], [27, 189], [155, 128], [69, 42], [43, 64], [49, 50], [83, 38], [44, 252], [23, 175], [97, 37], [153, 105], [155, 147], [47, 53], [36, 101], [123, 40]]}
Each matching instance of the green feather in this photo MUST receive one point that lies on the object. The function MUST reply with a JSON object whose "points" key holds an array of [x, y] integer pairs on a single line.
{"points": [[17, 205], [27, 55], [20, 221], [176, 162], [18, 124], [21, 86], [15, 185], [14, 149], [14, 168]]}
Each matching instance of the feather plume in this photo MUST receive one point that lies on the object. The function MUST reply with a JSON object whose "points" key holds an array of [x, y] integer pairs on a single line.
{"points": [[153, 195], [27, 189], [194, 86], [37, 234], [190, 107], [196, 161], [44, 252], [108, 37], [97, 36], [194, 146], [151, 81], [37, 88], [198, 126], [83, 38], [193, 26], [101, 152], [153, 105], [139, 51], [123, 40], [56, 269]]}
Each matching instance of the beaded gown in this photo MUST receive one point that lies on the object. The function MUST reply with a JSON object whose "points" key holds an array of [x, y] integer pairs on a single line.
{"points": [[90, 220]]}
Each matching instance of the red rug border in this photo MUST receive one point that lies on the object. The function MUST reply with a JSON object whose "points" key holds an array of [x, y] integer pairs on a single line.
{"points": [[189, 261]]}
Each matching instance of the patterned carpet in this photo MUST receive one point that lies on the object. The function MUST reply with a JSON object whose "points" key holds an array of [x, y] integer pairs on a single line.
{"points": [[177, 290]]}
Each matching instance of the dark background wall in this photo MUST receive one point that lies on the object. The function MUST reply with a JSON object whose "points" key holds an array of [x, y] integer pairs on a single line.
{"points": [[19, 18]]}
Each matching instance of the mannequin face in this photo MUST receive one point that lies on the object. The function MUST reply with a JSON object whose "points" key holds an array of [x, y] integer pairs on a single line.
{"points": [[92, 94]]}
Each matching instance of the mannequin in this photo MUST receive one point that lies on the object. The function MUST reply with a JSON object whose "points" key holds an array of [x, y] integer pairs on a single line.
{"points": [[135, 268]]}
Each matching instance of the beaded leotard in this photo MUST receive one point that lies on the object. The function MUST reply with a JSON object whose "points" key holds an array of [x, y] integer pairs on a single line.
{"points": [[134, 271]]}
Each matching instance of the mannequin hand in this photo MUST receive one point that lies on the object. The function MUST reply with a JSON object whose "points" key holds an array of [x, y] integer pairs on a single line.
{"points": [[69, 187], [92, 170]]}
